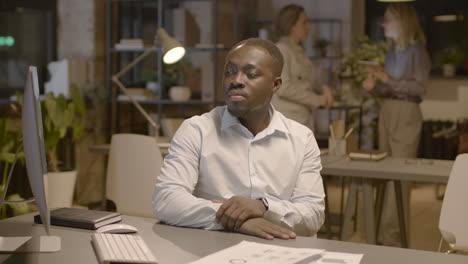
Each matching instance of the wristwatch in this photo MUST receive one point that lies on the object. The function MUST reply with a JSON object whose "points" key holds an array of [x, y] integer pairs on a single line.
{"points": [[265, 202]]}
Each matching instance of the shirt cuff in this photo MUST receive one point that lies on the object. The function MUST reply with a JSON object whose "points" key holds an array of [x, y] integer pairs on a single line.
{"points": [[275, 212], [215, 225]]}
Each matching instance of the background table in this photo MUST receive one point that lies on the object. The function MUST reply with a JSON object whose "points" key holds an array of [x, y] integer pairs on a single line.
{"points": [[393, 169]]}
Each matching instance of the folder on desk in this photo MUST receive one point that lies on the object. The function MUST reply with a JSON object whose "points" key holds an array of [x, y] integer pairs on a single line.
{"points": [[80, 218]]}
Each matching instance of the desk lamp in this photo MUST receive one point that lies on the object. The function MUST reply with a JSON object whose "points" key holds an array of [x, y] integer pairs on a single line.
{"points": [[173, 51]]}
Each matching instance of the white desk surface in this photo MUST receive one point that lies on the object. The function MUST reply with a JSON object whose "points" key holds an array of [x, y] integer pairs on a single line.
{"points": [[172, 245], [389, 168]]}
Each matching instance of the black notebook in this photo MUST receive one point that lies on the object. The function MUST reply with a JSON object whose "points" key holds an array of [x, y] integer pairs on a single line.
{"points": [[80, 218]]}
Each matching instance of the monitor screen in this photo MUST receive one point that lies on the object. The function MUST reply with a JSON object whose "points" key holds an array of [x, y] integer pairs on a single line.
{"points": [[33, 142]]}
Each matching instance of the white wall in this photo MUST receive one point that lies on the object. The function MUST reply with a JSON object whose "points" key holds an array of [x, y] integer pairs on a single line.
{"points": [[75, 28]]}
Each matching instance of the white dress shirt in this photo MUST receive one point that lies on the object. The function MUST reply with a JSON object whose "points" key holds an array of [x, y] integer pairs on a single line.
{"points": [[214, 157]]}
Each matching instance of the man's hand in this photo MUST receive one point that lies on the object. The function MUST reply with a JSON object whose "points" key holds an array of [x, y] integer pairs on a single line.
{"points": [[264, 229], [236, 210]]}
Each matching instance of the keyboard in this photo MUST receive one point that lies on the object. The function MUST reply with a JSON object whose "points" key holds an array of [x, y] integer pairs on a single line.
{"points": [[121, 248]]}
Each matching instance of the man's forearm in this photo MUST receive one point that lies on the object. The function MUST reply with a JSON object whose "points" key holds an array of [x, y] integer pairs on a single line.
{"points": [[177, 207]]}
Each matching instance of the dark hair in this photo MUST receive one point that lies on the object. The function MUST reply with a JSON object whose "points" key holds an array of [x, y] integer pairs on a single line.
{"points": [[287, 18], [267, 45]]}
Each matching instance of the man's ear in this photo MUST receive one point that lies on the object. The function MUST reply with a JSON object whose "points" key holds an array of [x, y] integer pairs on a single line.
{"points": [[277, 84]]}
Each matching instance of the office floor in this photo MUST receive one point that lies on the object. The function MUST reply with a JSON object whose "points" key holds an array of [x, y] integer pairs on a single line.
{"points": [[425, 211]]}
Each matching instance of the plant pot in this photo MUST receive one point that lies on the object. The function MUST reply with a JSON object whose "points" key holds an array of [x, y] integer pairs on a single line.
{"points": [[153, 86], [60, 187], [448, 70], [179, 93]]}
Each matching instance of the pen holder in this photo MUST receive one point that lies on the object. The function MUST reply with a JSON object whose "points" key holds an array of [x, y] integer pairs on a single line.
{"points": [[336, 146]]}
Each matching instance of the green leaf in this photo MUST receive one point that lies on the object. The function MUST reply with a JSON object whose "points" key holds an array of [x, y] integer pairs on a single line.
{"points": [[78, 99], [52, 139], [69, 114], [7, 157], [59, 116], [78, 129], [50, 108]]}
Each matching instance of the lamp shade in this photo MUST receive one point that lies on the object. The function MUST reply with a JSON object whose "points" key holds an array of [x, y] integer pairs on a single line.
{"points": [[172, 49]]}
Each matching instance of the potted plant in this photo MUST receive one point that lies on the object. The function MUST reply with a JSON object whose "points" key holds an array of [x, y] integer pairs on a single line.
{"points": [[151, 79], [354, 72], [363, 50], [182, 72], [10, 139], [321, 45], [449, 58], [60, 116], [173, 75]]}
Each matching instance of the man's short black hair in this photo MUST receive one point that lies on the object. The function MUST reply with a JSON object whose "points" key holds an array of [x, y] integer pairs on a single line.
{"points": [[269, 46]]}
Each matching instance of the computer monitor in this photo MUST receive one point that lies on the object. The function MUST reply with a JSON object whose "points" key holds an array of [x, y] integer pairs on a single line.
{"points": [[33, 144], [36, 166]]}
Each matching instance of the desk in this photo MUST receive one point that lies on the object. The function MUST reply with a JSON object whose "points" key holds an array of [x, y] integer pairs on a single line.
{"points": [[416, 170], [394, 169], [172, 245]]}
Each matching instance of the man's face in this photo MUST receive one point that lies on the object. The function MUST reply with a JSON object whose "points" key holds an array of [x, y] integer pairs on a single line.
{"points": [[250, 79]]}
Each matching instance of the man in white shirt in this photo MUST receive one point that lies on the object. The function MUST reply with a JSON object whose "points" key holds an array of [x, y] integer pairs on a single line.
{"points": [[244, 166]]}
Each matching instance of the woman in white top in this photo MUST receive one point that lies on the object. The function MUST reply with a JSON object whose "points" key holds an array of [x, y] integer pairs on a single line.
{"points": [[297, 98]]}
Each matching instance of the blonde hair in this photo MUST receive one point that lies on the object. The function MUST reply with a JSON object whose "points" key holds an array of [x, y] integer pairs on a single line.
{"points": [[411, 32], [287, 18]]}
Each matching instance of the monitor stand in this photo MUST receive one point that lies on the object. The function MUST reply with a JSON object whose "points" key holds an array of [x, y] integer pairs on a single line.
{"points": [[29, 244]]}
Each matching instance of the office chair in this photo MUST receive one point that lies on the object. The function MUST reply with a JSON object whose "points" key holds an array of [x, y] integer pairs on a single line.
{"points": [[133, 166], [454, 216]]}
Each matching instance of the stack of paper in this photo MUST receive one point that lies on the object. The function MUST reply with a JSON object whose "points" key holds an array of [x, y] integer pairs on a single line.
{"points": [[251, 252]]}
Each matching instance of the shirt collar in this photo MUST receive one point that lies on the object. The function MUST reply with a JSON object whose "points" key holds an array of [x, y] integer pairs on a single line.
{"points": [[276, 123]]}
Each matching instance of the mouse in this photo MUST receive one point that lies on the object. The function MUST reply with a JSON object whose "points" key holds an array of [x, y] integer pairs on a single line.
{"points": [[117, 229]]}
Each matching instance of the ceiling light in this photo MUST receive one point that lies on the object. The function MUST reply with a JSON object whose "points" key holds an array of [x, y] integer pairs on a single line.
{"points": [[448, 18]]}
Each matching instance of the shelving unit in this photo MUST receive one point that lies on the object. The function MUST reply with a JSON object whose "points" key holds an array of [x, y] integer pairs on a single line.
{"points": [[115, 55], [333, 59]]}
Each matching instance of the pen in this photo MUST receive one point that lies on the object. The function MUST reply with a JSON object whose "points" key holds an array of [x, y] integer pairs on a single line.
{"points": [[332, 136], [348, 133], [310, 259]]}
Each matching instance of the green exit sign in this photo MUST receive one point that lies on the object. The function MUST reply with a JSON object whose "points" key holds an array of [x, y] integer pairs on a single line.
{"points": [[7, 41]]}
